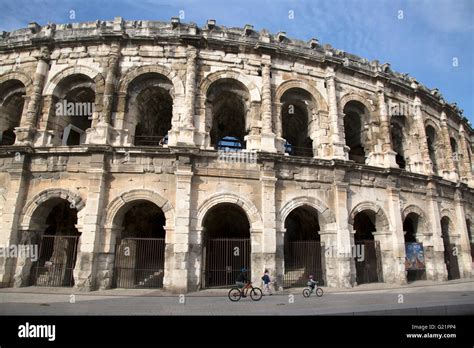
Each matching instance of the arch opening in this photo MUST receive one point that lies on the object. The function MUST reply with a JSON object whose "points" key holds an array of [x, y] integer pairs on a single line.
{"points": [[58, 243], [296, 113], [368, 268], [414, 252], [355, 114], [12, 100], [228, 103], [226, 245], [432, 143], [140, 247], [450, 250], [73, 108], [302, 247], [150, 109], [397, 130]]}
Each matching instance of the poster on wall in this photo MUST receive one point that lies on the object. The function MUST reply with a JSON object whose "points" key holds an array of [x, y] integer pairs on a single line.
{"points": [[415, 258]]}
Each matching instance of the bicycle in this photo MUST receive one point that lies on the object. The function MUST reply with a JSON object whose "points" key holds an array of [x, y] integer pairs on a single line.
{"points": [[308, 291], [235, 294]]}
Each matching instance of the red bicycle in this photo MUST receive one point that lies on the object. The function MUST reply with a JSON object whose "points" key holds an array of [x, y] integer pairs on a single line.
{"points": [[235, 294]]}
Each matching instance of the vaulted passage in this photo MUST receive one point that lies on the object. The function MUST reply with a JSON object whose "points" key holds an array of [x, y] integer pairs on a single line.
{"points": [[228, 104], [140, 253], [368, 270], [226, 245], [12, 100], [302, 248], [150, 108], [354, 130], [74, 102], [414, 251], [450, 250], [57, 246], [296, 117]]}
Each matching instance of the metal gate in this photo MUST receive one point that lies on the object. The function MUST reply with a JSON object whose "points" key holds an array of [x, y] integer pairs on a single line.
{"points": [[451, 260], [369, 270], [139, 263], [57, 258], [303, 258], [225, 257]]}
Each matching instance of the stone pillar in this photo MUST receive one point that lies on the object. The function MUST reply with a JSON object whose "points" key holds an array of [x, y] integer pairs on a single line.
{"points": [[279, 141], [338, 145], [449, 171], [101, 130], [179, 279], [186, 129], [384, 139], [436, 269], [86, 269], [29, 240], [268, 137], [14, 201], [342, 243], [394, 268], [427, 166], [463, 244], [26, 132], [269, 243], [464, 164]]}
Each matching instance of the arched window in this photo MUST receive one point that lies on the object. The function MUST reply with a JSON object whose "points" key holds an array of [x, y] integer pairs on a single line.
{"points": [[150, 108], [397, 137], [228, 103], [74, 102], [12, 100], [354, 130], [296, 116]]}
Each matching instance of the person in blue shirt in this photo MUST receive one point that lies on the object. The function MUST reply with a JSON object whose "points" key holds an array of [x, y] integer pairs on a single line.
{"points": [[266, 283]]}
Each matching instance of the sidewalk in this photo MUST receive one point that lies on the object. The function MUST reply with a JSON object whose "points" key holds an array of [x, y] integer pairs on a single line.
{"points": [[364, 288]]}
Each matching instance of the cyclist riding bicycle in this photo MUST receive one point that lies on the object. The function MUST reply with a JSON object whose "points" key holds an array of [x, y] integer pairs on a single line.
{"points": [[311, 282], [242, 281]]}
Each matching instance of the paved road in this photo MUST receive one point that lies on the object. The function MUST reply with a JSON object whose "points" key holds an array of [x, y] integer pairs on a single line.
{"points": [[443, 299]]}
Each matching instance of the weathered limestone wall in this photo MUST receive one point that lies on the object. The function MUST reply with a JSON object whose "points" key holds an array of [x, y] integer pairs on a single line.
{"points": [[106, 174]]}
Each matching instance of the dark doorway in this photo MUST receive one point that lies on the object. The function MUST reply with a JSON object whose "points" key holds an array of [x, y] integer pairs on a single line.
{"points": [[226, 245], [368, 270], [140, 253], [57, 248], [302, 248], [450, 250]]}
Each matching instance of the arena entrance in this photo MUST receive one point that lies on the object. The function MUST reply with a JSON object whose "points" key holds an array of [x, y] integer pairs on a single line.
{"points": [[450, 254], [302, 247], [140, 250], [368, 270], [226, 245], [57, 247], [414, 251]]}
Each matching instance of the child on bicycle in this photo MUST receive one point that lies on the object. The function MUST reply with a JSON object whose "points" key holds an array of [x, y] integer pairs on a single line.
{"points": [[242, 281], [311, 282]]}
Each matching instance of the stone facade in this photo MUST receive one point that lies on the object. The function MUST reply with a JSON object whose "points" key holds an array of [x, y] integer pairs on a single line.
{"points": [[426, 169]]}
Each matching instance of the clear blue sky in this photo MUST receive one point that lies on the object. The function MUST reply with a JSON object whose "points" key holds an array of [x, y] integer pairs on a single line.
{"points": [[423, 43]]}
